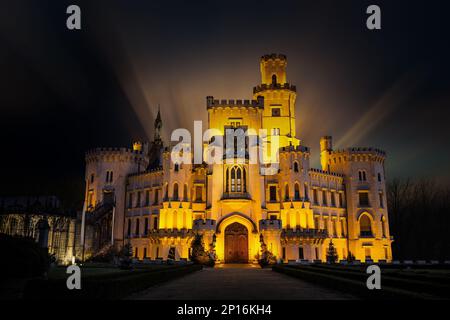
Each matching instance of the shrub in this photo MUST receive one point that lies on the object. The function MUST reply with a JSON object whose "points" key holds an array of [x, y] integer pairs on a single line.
{"points": [[22, 257]]}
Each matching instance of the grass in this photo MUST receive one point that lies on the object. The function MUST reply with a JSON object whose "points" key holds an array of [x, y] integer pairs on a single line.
{"points": [[104, 282]]}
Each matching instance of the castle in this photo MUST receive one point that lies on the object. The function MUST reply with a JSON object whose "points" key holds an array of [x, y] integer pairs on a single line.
{"points": [[140, 196]]}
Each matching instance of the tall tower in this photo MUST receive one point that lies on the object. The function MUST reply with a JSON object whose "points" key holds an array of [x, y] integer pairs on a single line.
{"points": [[279, 100]]}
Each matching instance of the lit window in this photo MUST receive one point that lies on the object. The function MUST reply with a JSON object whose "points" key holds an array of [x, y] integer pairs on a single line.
{"points": [[276, 112], [363, 199]]}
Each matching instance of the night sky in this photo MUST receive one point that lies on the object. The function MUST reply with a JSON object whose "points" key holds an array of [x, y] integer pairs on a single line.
{"points": [[63, 92]]}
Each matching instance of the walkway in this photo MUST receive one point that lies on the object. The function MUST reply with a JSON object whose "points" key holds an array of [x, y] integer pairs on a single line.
{"points": [[238, 282]]}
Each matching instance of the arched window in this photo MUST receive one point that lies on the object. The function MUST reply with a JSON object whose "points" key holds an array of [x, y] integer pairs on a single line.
{"points": [[238, 180], [306, 192], [166, 192], [274, 79], [365, 226], [296, 166], [245, 180], [286, 192], [296, 191], [185, 192], [362, 175], [379, 177], [227, 181], [175, 191]]}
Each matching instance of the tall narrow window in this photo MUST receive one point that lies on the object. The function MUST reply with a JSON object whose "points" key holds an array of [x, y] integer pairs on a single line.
{"points": [[198, 193], [138, 201], [185, 193], [227, 181], [245, 180], [343, 227], [306, 192], [176, 167], [296, 192], [286, 193], [155, 223], [379, 177], [146, 226], [273, 193], [233, 180], [340, 200], [381, 200], [137, 231], [363, 199], [175, 191], [129, 227], [130, 200], [324, 198], [156, 196], [147, 197], [365, 226], [296, 166], [239, 182], [333, 199], [300, 253], [315, 196]]}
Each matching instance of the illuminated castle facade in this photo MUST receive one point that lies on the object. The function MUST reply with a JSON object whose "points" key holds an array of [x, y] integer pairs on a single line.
{"points": [[140, 196]]}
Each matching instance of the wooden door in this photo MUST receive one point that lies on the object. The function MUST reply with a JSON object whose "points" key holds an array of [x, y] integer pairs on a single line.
{"points": [[236, 243]]}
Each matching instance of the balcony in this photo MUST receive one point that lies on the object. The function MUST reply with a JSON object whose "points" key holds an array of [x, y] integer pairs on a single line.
{"points": [[270, 224], [96, 213], [305, 233]]}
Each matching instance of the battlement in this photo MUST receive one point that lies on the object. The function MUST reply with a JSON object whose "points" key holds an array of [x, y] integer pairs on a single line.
{"points": [[269, 224], [201, 224], [230, 103], [304, 233], [274, 86], [274, 56], [328, 173], [376, 154], [294, 148], [154, 171], [113, 152]]}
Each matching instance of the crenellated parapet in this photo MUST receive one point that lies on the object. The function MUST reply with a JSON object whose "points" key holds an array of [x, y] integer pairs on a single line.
{"points": [[232, 103], [357, 154], [313, 171], [267, 224], [274, 86], [298, 148], [200, 224], [115, 154]]}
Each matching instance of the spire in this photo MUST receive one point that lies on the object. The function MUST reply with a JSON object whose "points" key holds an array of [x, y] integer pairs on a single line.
{"points": [[158, 125]]}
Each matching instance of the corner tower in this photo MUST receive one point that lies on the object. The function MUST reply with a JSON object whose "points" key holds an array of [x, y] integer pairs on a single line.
{"points": [[279, 100]]}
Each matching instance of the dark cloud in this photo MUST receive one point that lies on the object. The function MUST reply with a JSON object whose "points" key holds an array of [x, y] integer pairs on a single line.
{"points": [[64, 92]]}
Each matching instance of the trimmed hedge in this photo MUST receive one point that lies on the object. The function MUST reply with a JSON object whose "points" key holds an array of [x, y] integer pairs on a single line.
{"points": [[413, 283], [22, 257], [105, 286], [353, 283]]}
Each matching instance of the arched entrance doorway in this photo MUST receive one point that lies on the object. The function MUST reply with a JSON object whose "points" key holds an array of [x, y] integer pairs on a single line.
{"points": [[236, 243]]}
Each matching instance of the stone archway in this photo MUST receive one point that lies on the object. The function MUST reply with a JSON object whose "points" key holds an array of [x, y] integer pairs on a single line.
{"points": [[236, 243]]}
